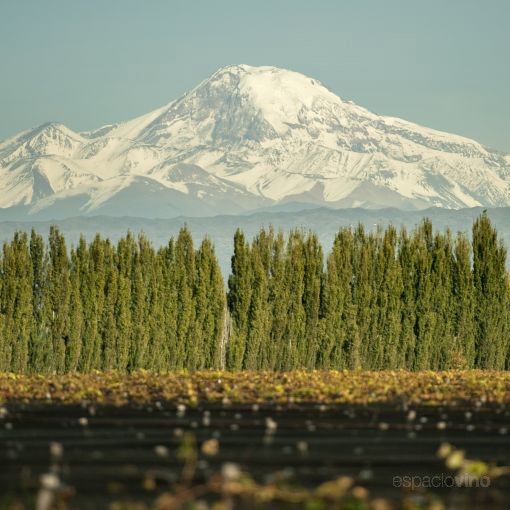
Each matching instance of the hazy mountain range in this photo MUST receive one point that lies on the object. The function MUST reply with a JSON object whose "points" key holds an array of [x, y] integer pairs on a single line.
{"points": [[221, 229], [245, 139]]}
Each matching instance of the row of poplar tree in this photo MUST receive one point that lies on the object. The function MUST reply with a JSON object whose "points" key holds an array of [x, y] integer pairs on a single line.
{"points": [[106, 307], [380, 300], [383, 300]]}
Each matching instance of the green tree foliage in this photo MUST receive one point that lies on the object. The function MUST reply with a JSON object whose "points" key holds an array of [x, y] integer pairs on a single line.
{"points": [[74, 339], [491, 296], [407, 263], [210, 305], [86, 279], [464, 325], [185, 285], [240, 286], [125, 251], [278, 298], [443, 301], [365, 295], [423, 290], [106, 307], [108, 328], [57, 298], [313, 275], [381, 299], [41, 349], [259, 353], [98, 292], [17, 308], [340, 346], [169, 278], [388, 292], [295, 323]]}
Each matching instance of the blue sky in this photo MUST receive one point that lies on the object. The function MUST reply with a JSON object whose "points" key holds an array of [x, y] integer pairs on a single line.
{"points": [[443, 64]]}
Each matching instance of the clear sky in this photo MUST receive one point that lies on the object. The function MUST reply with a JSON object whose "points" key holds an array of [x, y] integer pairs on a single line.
{"points": [[441, 63]]}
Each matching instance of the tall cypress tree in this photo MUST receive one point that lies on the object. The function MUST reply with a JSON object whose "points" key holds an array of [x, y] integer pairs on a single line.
{"points": [[491, 295], [97, 283], [365, 293], [294, 341], [125, 254], [16, 304], [258, 327], [74, 339], [86, 278], [239, 300], [140, 303], [158, 347], [58, 297], [41, 349], [313, 267], [261, 308], [388, 305], [38, 260], [442, 302], [407, 263], [278, 298], [210, 305], [109, 331], [425, 316], [185, 284], [170, 297], [340, 346], [463, 351]]}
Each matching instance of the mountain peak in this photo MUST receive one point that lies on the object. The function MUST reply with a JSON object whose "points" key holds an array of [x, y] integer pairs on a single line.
{"points": [[273, 84], [242, 69], [233, 68], [241, 102], [249, 137]]}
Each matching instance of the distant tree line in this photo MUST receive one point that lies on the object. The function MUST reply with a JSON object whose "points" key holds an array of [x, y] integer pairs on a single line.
{"points": [[380, 300]]}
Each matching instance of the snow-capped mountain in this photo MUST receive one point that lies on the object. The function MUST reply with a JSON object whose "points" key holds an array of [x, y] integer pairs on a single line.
{"points": [[247, 138]]}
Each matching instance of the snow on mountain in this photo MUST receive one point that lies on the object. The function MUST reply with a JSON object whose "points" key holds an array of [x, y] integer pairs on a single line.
{"points": [[247, 138]]}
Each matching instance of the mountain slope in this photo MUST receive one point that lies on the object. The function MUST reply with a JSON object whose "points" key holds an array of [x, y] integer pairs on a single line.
{"points": [[247, 138]]}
